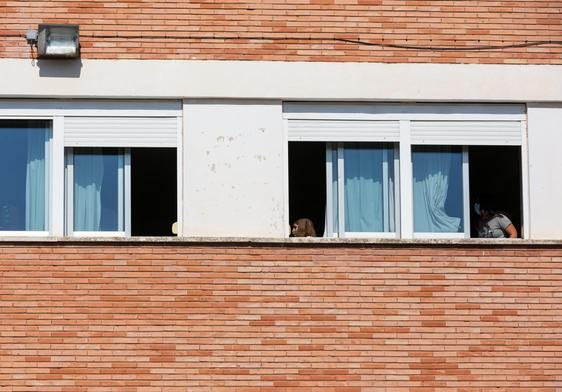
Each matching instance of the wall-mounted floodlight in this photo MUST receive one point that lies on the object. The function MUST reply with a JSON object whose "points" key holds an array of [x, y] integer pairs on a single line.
{"points": [[55, 41]]}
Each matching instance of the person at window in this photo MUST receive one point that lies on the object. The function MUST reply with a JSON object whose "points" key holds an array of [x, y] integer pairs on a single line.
{"points": [[303, 228], [493, 224]]}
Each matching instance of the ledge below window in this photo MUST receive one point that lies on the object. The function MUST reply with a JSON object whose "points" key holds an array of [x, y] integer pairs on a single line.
{"points": [[464, 242]]}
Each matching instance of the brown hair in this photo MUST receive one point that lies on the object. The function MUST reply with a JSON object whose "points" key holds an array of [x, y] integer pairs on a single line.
{"points": [[305, 228]]}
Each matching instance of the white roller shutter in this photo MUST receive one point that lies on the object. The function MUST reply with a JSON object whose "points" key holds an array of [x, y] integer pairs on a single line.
{"points": [[343, 130], [489, 133], [120, 131]]}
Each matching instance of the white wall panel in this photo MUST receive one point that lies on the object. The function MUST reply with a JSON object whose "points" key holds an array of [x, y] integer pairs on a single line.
{"points": [[233, 172], [545, 170]]}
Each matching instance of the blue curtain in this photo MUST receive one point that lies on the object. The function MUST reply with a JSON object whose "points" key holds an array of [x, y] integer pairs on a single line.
{"points": [[438, 195], [88, 178], [35, 189], [23, 193], [368, 188]]}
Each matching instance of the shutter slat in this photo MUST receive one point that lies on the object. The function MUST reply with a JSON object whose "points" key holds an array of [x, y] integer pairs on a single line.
{"points": [[466, 132], [120, 131], [343, 130]]}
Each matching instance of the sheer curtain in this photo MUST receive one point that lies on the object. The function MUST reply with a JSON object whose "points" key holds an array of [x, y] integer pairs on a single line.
{"points": [[35, 180], [335, 203], [437, 189], [88, 178], [368, 188]]}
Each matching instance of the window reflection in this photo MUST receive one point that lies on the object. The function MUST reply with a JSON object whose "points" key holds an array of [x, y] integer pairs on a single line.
{"points": [[23, 198]]}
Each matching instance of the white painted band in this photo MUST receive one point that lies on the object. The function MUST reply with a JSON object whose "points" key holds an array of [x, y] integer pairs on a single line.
{"points": [[164, 79]]}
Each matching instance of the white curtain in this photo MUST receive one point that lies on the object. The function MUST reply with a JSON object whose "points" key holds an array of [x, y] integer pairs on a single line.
{"points": [[35, 181], [335, 190], [368, 184], [88, 178], [433, 169]]}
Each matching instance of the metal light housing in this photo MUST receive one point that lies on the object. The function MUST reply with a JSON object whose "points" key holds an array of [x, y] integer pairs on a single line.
{"points": [[58, 41]]}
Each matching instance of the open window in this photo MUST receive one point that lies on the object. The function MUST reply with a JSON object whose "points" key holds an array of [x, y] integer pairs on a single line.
{"points": [[121, 191], [495, 174], [153, 191], [346, 189], [449, 180], [406, 170], [307, 183]]}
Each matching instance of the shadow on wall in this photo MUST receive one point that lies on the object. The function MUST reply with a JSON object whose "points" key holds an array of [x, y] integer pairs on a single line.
{"points": [[59, 68]]}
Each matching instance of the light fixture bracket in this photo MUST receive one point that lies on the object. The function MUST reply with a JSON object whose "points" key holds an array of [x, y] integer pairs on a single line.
{"points": [[31, 37]]}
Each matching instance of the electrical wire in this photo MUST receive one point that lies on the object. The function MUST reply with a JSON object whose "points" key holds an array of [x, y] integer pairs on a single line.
{"points": [[525, 44]]}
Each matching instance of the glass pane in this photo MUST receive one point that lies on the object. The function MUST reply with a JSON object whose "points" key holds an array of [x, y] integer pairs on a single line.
{"points": [[335, 222], [23, 175], [369, 190], [98, 189], [438, 193]]}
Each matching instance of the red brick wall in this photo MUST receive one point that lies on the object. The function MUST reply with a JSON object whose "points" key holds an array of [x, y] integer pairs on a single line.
{"points": [[273, 318], [196, 29]]}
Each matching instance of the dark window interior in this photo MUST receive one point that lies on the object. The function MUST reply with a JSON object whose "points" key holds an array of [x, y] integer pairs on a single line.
{"points": [[307, 182], [495, 173], [153, 191]]}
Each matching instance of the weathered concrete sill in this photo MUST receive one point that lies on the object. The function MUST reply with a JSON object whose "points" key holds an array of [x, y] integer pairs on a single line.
{"points": [[249, 241]]}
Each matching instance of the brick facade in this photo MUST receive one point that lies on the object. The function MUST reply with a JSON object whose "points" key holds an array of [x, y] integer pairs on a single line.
{"points": [[296, 30], [200, 317]]}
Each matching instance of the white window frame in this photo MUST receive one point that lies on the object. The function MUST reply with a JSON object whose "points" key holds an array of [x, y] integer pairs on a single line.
{"points": [[405, 114], [56, 111], [124, 196], [465, 200], [341, 233], [49, 146]]}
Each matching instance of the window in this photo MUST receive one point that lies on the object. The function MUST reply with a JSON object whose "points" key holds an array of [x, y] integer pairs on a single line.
{"points": [[307, 183], [361, 178], [24, 172], [96, 190], [121, 191], [154, 200], [438, 189], [346, 189], [495, 175], [406, 171], [90, 167], [449, 180]]}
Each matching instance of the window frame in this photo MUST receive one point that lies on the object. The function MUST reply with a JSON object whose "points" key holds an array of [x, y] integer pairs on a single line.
{"points": [[298, 115], [465, 203], [337, 148], [57, 111], [124, 191], [49, 146]]}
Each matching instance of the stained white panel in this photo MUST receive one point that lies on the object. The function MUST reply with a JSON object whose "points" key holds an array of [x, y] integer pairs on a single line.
{"points": [[120, 131], [234, 169], [489, 133], [343, 130]]}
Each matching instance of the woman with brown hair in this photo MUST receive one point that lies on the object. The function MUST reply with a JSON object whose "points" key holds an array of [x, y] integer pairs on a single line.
{"points": [[493, 223], [303, 228]]}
